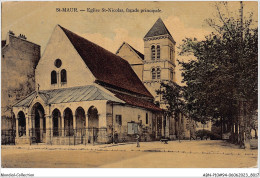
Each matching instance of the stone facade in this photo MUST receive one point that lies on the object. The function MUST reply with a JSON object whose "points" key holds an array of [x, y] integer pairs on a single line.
{"points": [[18, 62], [163, 64], [81, 109], [158, 65], [134, 57], [59, 47]]}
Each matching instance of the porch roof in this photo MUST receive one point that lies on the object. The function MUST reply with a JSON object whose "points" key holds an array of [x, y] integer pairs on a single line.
{"points": [[136, 101], [67, 95]]}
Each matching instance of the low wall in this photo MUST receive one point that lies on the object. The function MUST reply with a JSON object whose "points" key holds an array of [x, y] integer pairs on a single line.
{"points": [[75, 140], [22, 140]]}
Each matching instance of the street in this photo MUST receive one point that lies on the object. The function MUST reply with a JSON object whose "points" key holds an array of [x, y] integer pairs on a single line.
{"points": [[187, 154]]}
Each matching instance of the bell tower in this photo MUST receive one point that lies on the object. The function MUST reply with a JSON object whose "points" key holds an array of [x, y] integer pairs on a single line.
{"points": [[159, 60]]}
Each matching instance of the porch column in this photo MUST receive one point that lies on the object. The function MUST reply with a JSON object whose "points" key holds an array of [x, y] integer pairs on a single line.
{"points": [[62, 125], [86, 130], [49, 129], [74, 122], [17, 127], [59, 125], [74, 125], [86, 124], [51, 125], [32, 125], [27, 126]]}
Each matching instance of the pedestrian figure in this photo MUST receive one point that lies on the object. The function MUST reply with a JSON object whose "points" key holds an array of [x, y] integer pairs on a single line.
{"points": [[137, 140]]}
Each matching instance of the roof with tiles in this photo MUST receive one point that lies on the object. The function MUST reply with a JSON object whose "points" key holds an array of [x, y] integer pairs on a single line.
{"points": [[158, 29], [67, 95], [139, 102], [106, 66], [85, 93]]}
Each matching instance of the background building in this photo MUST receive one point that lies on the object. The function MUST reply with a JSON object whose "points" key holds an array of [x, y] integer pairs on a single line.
{"points": [[18, 62]]}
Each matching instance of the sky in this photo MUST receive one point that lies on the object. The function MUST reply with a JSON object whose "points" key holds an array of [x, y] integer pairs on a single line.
{"points": [[36, 20]]}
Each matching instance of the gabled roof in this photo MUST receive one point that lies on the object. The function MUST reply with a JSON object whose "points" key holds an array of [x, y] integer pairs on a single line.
{"points": [[85, 93], [158, 29], [106, 66], [136, 51], [134, 101], [67, 95]]}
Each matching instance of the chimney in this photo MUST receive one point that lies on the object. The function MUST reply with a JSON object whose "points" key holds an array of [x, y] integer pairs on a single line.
{"points": [[11, 32], [22, 36]]}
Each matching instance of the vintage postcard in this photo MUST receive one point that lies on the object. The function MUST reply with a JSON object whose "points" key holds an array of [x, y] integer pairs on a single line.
{"points": [[121, 84]]}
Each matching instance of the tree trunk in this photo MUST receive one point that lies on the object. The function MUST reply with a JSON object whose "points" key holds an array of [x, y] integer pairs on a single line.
{"points": [[179, 126], [190, 128], [247, 118], [236, 132], [176, 127], [232, 131], [241, 127], [221, 125]]}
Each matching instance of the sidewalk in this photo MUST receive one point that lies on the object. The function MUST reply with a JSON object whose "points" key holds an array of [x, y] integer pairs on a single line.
{"points": [[190, 147]]}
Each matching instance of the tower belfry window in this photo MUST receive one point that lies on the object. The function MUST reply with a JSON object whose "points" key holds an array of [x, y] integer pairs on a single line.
{"points": [[153, 73], [158, 52], [153, 52], [158, 73]]}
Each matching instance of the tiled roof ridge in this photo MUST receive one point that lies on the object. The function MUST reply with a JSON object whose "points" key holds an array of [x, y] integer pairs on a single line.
{"points": [[106, 66]]}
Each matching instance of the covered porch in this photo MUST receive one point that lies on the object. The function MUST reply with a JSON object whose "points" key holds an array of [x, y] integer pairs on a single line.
{"points": [[66, 116]]}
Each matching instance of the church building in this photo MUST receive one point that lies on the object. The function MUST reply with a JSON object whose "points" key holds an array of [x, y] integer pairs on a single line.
{"points": [[155, 66], [86, 94]]}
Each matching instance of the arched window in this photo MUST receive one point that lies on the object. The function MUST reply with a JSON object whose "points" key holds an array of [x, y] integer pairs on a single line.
{"points": [[146, 118], [153, 73], [158, 73], [158, 52], [63, 76], [153, 52], [53, 77]]}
